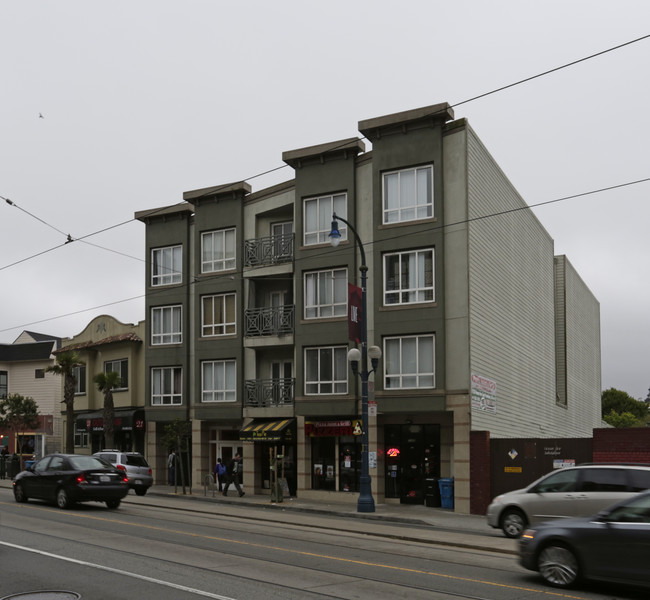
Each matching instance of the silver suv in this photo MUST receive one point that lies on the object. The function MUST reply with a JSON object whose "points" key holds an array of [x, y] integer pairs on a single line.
{"points": [[135, 466], [570, 492]]}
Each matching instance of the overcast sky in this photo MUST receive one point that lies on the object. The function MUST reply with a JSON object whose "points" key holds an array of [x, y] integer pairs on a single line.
{"points": [[143, 100]]}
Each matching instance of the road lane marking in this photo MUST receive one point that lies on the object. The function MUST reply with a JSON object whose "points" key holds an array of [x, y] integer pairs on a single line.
{"points": [[302, 552], [83, 563]]}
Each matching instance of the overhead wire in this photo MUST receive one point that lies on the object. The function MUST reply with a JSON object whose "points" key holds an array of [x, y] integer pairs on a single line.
{"points": [[215, 189], [232, 274]]}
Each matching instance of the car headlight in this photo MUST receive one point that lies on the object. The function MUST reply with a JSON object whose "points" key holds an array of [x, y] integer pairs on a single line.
{"points": [[498, 499]]}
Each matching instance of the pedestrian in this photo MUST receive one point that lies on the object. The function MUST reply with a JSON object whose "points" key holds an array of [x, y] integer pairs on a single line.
{"points": [[220, 474], [171, 467], [234, 470]]}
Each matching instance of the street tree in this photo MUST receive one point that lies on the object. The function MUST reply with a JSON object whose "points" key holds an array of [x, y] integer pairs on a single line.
{"points": [[615, 405], [177, 436], [18, 414], [66, 362], [106, 383]]}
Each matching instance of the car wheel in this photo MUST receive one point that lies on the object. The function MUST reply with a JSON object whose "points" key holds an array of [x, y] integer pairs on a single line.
{"points": [[141, 491], [558, 565], [19, 493], [112, 503], [62, 499], [513, 523]]}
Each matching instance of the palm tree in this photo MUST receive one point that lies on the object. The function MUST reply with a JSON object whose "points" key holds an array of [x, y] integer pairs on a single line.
{"points": [[66, 362], [106, 383]]}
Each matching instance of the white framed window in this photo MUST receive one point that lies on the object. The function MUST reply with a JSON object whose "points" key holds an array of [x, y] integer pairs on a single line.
{"points": [[408, 277], [79, 373], [166, 386], [166, 325], [218, 250], [121, 367], [218, 381], [317, 217], [80, 438], [408, 194], [326, 293], [409, 362], [326, 370], [167, 265], [218, 315]]}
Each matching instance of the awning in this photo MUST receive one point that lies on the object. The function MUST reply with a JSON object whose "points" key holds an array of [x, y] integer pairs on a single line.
{"points": [[123, 420], [269, 431]]}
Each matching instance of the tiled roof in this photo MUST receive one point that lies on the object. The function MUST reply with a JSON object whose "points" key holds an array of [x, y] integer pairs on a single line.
{"points": [[123, 337]]}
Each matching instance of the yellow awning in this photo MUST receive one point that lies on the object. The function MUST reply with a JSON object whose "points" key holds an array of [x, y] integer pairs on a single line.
{"points": [[268, 431]]}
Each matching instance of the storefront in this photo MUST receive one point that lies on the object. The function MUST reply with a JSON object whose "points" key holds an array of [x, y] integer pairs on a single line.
{"points": [[412, 456], [335, 454], [275, 449], [128, 425]]}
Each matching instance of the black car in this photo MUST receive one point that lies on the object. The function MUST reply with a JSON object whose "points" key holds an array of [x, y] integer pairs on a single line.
{"points": [[613, 545], [69, 478]]}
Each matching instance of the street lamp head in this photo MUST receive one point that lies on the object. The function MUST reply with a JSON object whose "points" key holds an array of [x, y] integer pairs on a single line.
{"points": [[354, 355], [374, 353], [335, 234]]}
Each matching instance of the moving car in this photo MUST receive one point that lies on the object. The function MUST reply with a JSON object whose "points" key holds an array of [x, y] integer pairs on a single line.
{"points": [[569, 492], [611, 546], [135, 466], [69, 478]]}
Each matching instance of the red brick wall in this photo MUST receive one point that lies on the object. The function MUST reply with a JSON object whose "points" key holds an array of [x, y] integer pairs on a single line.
{"points": [[479, 473], [630, 445]]}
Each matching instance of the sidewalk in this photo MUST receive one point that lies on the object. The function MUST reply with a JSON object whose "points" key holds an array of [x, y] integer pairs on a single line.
{"points": [[414, 522], [408, 522]]}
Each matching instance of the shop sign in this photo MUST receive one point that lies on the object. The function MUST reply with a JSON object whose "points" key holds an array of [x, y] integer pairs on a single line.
{"points": [[328, 428], [484, 394]]}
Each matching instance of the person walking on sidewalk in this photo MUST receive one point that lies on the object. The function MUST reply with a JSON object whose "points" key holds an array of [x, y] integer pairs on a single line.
{"points": [[234, 470], [220, 474]]}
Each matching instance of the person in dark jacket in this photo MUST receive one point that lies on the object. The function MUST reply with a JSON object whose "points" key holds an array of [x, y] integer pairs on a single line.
{"points": [[234, 470]]}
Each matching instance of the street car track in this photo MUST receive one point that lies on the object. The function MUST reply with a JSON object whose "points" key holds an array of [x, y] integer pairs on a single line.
{"points": [[235, 549]]}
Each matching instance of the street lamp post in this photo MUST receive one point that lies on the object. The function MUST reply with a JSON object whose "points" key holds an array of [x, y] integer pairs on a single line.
{"points": [[366, 503]]}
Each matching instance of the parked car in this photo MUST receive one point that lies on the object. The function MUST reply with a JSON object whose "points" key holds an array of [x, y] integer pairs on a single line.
{"points": [[135, 466], [569, 492], [611, 546], [69, 478]]}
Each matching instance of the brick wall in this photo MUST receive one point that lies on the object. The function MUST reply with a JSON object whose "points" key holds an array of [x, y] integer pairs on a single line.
{"points": [[630, 445], [479, 481]]}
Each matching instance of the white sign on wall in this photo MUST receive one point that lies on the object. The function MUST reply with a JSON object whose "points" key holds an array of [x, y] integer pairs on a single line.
{"points": [[484, 394]]}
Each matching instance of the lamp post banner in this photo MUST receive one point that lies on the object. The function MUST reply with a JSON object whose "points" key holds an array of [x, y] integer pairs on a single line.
{"points": [[355, 314]]}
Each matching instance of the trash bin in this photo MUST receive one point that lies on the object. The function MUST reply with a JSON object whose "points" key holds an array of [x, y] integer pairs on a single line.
{"points": [[431, 492], [446, 492]]}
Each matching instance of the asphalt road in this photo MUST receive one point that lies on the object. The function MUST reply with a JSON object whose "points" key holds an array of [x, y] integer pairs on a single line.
{"points": [[150, 550]]}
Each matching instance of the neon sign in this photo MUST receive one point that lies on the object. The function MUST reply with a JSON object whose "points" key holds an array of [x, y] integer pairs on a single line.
{"points": [[393, 452]]}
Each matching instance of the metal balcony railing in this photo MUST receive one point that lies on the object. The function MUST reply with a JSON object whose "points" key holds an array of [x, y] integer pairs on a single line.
{"points": [[264, 393], [268, 250], [269, 321]]}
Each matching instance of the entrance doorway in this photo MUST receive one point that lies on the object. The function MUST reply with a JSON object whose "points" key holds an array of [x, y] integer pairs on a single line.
{"points": [[412, 456]]}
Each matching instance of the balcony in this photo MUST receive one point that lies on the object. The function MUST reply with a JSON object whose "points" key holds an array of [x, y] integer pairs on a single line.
{"points": [[269, 393], [273, 321], [266, 251]]}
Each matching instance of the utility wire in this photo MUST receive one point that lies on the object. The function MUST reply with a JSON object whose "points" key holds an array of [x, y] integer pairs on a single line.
{"points": [[216, 189], [232, 274]]}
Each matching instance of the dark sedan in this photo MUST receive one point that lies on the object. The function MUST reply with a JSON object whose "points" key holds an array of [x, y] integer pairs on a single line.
{"points": [[69, 478], [612, 546]]}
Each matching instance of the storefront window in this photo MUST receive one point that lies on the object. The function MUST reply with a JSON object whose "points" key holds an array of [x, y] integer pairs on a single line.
{"points": [[323, 458], [412, 457], [336, 455]]}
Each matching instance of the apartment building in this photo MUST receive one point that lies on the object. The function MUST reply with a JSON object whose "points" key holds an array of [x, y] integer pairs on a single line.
{"points": [[481, 327], [106, 345]]}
